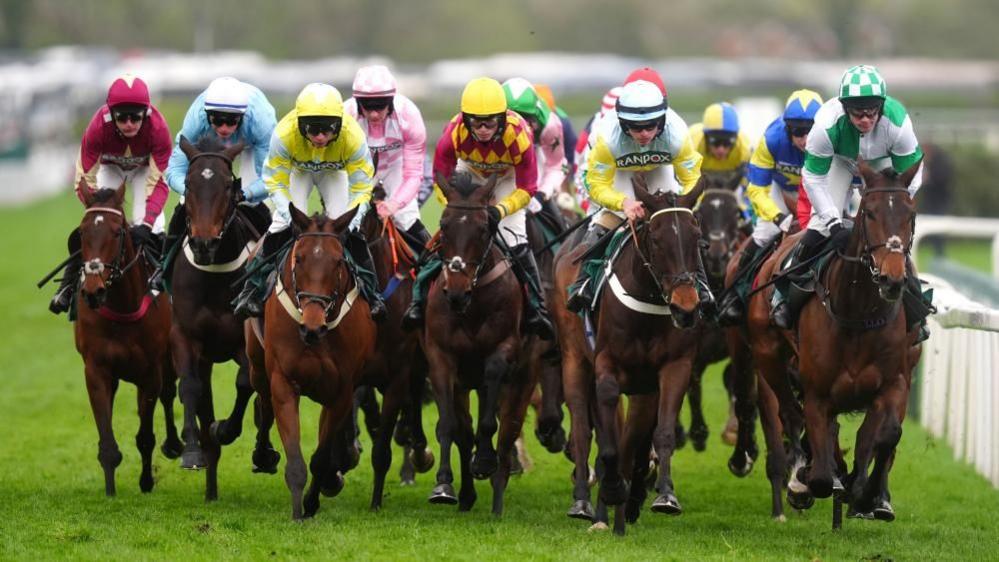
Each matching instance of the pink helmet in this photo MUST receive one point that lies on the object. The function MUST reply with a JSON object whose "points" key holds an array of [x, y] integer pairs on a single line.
{"points": [[128, 89], [610, 99], [374, 82]]}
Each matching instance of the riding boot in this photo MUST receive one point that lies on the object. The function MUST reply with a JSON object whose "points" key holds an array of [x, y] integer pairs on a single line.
{"points": [[709, 310], [250, 302], [361, 254], [64, 295], [917, 306], [418, 237], [732, 307], [781, 309], [526, 269], [427, 268], [581, 290], [174, 235]]}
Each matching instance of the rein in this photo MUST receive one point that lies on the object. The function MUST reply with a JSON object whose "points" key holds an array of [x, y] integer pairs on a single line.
{"points": [[96, 267], [327, 302], [674, 280], [456, 264]]}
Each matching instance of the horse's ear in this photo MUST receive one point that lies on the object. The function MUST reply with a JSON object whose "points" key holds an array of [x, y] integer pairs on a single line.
{"points": [[119, 195], [486, 190], [907, 176], [86, 194], [690, 198], [641, 187], [233, 151], [298, 218], [443, 185], [870, 175], [341, 223], [187, 148]]}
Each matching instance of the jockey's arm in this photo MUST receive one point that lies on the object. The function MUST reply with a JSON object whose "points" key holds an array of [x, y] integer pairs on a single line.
{"points": [[156, 186], [195, 125], [905, 152], [525, 166], [760, 177], [819, 154], [600, 171], [89, 158], [277, 175], [553, 148], [414, 151], [445, 160], [260, 123], [687, 166], [360, 171]]}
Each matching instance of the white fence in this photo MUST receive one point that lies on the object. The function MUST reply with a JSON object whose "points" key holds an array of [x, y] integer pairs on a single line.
{"points": [[958, 387]]}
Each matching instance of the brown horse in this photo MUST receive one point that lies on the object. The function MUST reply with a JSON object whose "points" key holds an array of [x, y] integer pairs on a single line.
{"points": [[643, 348], [318, 334], [212, 256], [854, 354], [122, 333], [473, 341]]}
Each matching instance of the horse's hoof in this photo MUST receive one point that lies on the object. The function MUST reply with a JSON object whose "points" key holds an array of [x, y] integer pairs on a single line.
{"points": [[193, 459], [353, 455], [740, 471], [265, 460], [633, 510], [443, 494], [407, 482], [852, 513], [598, 527], [552, 440], [821, 487], [614, 493], [581, 509], [668, 504], [310, 506], [332, 485], [172, 448], [146, 483], [699, 439], [221, 434], [883, 511], [422, 463], [780, 518], [800, 501], [484, 464]]}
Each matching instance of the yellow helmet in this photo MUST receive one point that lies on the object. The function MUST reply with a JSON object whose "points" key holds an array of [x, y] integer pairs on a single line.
{"points": [[319, 100], [483, 96]]}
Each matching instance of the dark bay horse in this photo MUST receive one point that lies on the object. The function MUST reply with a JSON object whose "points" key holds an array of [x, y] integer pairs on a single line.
{"points": [[854, 353], [643, 348], [318, 334], [473, 341], [213, 255], [122, 333]]}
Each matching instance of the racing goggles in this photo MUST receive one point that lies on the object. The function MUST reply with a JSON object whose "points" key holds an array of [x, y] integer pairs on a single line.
{"points": [[374, 104], [315, 126], [490, 122], [641, 126], [797, 128], [864, 112], [129, 116], [220, 119], [722, 141]]}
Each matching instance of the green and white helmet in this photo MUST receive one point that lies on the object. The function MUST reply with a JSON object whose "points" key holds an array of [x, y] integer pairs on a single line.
{"points": [[522, 98], [862, 81]]}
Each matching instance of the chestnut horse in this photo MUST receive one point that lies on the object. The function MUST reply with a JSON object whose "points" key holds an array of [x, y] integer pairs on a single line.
{"points": [[213, 254], [643, 348], [473, 341], [122, 333], [854, 353], [318, 335]]}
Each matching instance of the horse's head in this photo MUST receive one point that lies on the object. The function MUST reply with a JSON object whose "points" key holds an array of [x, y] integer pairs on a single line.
{"points": [[320, 278], [886, 221], [670, 244], [719, 216], [103, 242], [210, 200], [465, 237]]}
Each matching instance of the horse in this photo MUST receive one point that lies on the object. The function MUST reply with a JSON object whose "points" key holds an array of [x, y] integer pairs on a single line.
{"points": [[472, 340], [722, 228], [122, 333], [860, 356], [398, 368], [637, 351], [213, 254], [317, 336]]}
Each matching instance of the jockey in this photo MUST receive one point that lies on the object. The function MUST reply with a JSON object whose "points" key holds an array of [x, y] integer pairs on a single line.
{"points": [[725, 148], [647, 136], [396, 134], [232, 112], [315, 145], [774, 172], [548, 142], [486, 138], [127, 141], [862, 123], [568, 131]]}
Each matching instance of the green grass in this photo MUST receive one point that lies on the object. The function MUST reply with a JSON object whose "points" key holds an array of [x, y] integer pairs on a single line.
{"points": [[53, 504]]}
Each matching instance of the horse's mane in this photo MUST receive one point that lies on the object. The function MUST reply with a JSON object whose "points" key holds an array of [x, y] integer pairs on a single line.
{"points": [[209, 143], [464, 183]]}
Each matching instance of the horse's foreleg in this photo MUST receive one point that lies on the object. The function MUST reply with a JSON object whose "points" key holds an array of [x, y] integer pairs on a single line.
{"points": [[227, 430], [636, 444], [776, 457], [265, 458], [674, 377], [484, 461], [885, 444], [613, 490], [744, 401], [578, 388], [172, 446], [285, 406], [698, 427], [145, 439], [464, 438], [185, 364], [441, 372], [512, 413], [549, 431], [206, 417], [101, 389], [817, 420], [381, 447]]}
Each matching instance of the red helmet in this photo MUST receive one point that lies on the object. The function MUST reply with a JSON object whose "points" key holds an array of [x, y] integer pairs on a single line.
{"points": [[647, 74], [128, 89]]}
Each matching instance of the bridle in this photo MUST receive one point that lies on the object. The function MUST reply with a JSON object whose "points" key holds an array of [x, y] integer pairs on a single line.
{"points": [[97, 266], [327, 302], [675, 280], [714, 235], [893, 244], [457, 264], [232, 214]]}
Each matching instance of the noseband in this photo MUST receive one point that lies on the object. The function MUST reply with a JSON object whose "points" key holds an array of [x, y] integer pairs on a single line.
{"points": [[457, 264], [96, 266], [675, 280], [893, 244], [231, 216]]}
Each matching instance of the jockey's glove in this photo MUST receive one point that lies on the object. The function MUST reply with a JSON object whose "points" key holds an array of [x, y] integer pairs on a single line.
{"points": [[142, 235], [237, 190], [494, 218], [783, 221]]}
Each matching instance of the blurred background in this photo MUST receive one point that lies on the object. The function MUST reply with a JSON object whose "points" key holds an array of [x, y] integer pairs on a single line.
{"points": [[57, 58]]}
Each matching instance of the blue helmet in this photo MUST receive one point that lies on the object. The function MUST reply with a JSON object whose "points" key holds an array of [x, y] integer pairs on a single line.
{"points": [[721, 118], [802, 105]]}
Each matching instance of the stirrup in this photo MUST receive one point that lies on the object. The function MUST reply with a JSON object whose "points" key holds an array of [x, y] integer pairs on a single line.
{"points": [[413, 317], [62, 300]]}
